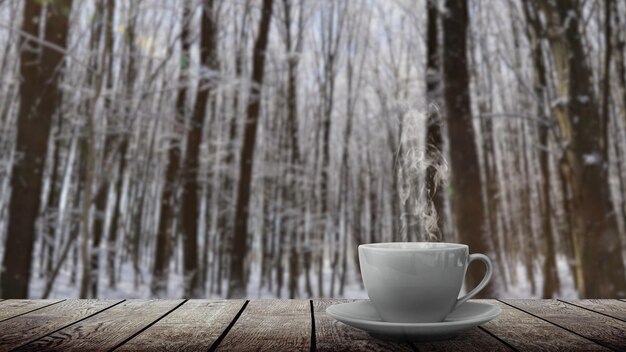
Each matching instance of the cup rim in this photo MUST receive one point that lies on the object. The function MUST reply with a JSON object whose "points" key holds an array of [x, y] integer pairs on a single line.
{"points": [[413, 246]]}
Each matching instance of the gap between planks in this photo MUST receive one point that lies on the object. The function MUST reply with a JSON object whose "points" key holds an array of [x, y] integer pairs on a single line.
{"points": [[32, 310], [498, 338], [560, 326], [591, 309], [147, 326], [225, 332], [278, 324], [68, 325], [313, 338], [313, 341], [103, 331]]}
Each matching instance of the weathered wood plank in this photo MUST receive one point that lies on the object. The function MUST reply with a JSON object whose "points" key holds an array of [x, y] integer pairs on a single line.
{"points": [[271, 325], [332, 335], [31, 326], [601, 329], [11, 308], [609, 307], [105, 330], [473, 339], [193, 327], [528, 333]]}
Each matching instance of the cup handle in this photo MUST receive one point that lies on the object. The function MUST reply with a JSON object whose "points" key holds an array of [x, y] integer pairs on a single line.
{"points": [[483, 258]]}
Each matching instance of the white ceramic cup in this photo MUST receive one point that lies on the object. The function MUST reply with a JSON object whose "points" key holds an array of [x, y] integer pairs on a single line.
{"points": [[417, 282]]}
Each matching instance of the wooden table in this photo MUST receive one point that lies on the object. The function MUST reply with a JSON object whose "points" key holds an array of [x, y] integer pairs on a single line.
{"points": [[290, 325]]}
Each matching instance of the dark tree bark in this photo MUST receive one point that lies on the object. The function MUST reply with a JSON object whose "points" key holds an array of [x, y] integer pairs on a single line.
{"points": [[191, 212], [467, 197], [292, 131], [237, 285], [39, 92], [599, 268], [620, 58], [620, 70], [434, 138], [165, 234]]}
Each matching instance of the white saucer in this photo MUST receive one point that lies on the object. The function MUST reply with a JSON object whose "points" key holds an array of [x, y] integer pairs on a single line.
{"points": [[362, 315]]}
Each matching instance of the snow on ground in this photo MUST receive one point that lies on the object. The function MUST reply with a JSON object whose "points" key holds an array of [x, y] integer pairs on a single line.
{"points": [[523, 288], [126, 287]]}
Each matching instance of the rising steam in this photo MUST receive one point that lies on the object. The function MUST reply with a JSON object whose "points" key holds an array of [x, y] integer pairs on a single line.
{"points": [[419, 217]]}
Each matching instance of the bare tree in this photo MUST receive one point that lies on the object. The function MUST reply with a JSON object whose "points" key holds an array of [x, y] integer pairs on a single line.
{"points": [[169, 202], [332, 24], [466, 181], [536, 33], [434, 135], [130, 75], [583, 136], [190, 212], [37, 104], [100, 198], [293, 46], [237, 285]]}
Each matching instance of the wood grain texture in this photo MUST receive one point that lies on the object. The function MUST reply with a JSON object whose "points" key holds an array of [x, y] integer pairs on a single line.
{"points": [[609, 307], [30, 326], [332, 335], [192, 327], [14, 307], [528, 333], [473, 339], [95, 325], [601, 329], [107, 329], [271, 325]]}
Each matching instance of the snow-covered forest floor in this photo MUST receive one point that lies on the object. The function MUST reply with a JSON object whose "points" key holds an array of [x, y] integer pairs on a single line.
{"points": [[353, 290]]}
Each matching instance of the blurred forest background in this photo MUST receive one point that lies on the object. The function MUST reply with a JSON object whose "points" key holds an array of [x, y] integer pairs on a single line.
{"points": [[233, 148]]}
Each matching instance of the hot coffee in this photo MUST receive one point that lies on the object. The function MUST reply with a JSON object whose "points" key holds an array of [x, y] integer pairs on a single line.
{"points": [[417, 281]]}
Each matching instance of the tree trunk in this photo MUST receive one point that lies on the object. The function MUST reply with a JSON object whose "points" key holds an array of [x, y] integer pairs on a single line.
{"points": [[165, 234], [39, 94], [551, 284], [237, 286], [50, 231], [434, 138], [600, 267], [90, 150], [293, 140], [100, 199], [116, 222], [620, 63], [191, 211], [90, 255], [620, 58], [468, 205], [124, 140]]}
